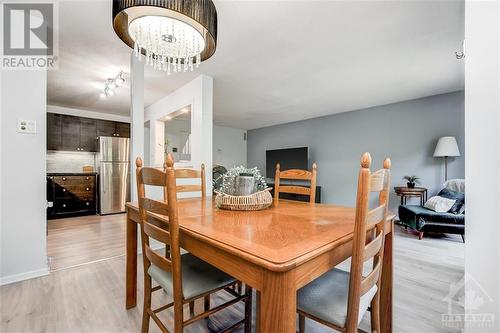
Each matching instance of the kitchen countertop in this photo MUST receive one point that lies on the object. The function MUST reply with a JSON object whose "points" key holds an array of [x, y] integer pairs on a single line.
{"points": [[71, 173]]}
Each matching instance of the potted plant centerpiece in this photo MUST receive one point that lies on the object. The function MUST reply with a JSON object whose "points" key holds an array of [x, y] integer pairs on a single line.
{"points": [[242, 189], [411, 181]]}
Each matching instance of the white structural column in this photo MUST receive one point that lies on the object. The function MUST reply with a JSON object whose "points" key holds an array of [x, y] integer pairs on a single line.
{"points": [[207, 128], [482, 166], [136, 118], [199, 95]]}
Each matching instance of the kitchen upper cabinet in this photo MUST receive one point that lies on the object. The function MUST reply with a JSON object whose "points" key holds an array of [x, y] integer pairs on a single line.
{"points": [[106, 128], [113, 128], [123, 130], [78, 134], [73, 133], [88, 137], [70, 133], [54, 128]]}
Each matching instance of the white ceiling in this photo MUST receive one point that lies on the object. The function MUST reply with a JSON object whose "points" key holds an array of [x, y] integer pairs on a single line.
{"points": [[278, 61]]}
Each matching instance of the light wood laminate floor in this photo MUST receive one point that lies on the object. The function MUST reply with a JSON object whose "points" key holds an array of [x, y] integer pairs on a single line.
{"points": [[80, 240], [90, 298]]}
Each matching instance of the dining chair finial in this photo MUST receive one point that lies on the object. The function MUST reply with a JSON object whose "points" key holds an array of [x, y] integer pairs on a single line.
{"points": [[366, 160], [387, 163], [138, 162], [170, 161]]}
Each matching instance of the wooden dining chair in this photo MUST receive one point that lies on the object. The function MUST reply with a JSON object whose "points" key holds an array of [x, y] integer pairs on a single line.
{"points": [[190, 174], [339, 299], [296, 174], [195, 174], [184, 277]]}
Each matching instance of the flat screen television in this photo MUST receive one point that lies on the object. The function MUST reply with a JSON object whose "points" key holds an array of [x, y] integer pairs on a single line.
{"points": [[290, 158]]}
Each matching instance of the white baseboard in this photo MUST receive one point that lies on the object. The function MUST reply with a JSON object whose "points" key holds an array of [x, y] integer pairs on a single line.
{"points": [[23, 276], [45, 271]]}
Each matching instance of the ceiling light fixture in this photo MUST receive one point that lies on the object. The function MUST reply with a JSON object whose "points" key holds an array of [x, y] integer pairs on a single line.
{"points": [[173, 35], [112, 84]]}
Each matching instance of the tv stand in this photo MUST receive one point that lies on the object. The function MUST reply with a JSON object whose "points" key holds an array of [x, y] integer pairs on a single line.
{"points": [[292, 196]]}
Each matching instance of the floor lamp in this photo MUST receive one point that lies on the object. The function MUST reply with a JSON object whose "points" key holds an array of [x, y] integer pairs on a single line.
{"points": [[446, 147]]}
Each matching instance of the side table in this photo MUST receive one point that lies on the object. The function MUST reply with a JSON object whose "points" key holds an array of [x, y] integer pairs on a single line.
{"points": [[405, 192]]}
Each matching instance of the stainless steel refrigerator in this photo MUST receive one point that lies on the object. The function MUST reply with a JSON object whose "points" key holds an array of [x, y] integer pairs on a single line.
{"points": [[114, 182]]}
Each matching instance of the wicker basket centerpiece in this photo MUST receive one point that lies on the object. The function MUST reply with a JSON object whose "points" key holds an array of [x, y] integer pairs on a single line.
{"points": [[242, 189], [256, 201]]}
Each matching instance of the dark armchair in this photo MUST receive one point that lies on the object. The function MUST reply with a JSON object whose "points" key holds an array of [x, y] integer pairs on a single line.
{"points": [[425, 220]]}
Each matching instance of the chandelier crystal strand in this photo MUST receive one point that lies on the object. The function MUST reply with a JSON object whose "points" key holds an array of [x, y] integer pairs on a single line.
{"points": [[170, 45]]}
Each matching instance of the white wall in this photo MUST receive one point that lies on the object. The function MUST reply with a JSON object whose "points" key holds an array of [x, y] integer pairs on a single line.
{"points": [[335, 143], [482, 158], [87, 113], [23, 182], [178, 135], [199, 94], [230, 146]]}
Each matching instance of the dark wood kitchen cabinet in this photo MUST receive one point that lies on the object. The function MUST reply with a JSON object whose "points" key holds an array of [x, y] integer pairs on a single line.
{"points": [[113, 128], [71, 194], [122, 130], [88, 137], [54, 128], [105, 128], [78, 134], [71, 133]]}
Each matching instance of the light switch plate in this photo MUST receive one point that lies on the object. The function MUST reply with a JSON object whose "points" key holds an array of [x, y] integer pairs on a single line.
{"points": [[26, 126]]}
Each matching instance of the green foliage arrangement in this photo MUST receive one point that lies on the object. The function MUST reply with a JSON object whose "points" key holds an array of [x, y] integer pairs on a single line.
{"points": [[228, 179]]}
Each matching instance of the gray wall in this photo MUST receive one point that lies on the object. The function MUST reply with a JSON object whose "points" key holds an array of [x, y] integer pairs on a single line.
{"points": [[406, 131]]}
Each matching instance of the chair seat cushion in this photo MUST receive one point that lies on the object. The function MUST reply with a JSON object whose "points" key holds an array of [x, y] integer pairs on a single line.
{"points": [[326, 298], [198, 277]]}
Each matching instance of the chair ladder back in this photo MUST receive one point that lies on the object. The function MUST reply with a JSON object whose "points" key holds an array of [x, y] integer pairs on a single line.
{"points": [[372, 278], [158, 260], [296, 174], [375, 216], [157, 233], [154, 206], [152, 176], [374, 246], [191, 174], [170, 237], [371, 223], [175, 249], [377, 180]]}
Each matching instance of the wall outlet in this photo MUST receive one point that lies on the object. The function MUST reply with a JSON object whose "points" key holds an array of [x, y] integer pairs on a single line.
{"points": [[26, 126]]}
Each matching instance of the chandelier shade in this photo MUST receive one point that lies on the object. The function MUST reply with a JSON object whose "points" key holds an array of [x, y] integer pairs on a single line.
{"points": [[172, 35]]}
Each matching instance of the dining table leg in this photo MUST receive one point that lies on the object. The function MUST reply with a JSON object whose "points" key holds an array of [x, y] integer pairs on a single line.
{"points": [[278, 303], [387, 283], [131, 269]]}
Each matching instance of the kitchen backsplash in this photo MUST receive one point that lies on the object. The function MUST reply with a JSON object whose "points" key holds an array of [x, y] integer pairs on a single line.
{"points": [[61, 161]]}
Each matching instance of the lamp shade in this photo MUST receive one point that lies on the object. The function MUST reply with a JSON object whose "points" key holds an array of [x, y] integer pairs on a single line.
{"points": [[446, 146]]}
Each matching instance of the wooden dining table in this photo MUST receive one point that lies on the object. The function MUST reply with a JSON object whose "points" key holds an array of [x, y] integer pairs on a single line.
{"points": [[276, 251]]}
